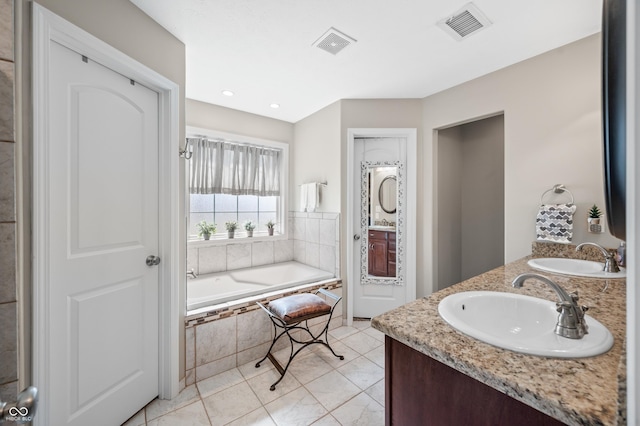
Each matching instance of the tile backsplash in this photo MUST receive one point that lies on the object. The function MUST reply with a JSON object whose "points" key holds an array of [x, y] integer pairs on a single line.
{"points": [[313, 240]]}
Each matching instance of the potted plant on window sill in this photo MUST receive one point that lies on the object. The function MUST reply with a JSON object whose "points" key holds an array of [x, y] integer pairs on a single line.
{"points": [[270, 227], [205, 229], [249, 227], [231, 226], [595, 216]]}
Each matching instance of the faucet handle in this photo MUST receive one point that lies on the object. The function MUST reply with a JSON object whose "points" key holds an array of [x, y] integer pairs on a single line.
{"points": [[574, 296], [560, 306]]}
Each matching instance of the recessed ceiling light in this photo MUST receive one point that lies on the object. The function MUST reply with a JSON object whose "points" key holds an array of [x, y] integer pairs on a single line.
{"points": [[275, 105], [227, 92]]}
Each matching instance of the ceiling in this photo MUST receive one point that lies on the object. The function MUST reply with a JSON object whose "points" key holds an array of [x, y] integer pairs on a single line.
{"points": [[263, 51]]}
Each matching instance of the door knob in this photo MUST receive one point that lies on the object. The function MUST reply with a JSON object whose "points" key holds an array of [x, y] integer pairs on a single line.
{"points": [[153, 260], [356, 237]]}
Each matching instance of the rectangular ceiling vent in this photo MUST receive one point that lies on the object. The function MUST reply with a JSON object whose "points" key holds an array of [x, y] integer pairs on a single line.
{"points": [[465, 22], [333, 41]]}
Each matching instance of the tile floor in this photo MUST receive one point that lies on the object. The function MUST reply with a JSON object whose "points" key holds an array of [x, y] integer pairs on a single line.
{"points": [[318, 389]]}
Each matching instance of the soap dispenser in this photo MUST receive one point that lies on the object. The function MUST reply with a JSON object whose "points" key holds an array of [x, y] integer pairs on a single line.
{"points": [[621, 257]]}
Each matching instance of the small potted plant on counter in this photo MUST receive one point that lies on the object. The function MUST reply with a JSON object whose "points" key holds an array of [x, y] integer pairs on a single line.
{"points": [[270, 227], [205, 229], [249, 227], [231, 226], [595, 216]]}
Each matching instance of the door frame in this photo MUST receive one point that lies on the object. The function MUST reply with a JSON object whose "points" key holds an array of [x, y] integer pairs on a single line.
{"points": [[48, 27], [411, 134]]}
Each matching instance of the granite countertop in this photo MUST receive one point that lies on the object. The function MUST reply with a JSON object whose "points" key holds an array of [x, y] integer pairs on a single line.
{"points": [[575, 391]]}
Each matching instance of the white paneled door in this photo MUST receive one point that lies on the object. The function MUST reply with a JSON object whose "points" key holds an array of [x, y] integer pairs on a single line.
{"points": [[102, 228]]}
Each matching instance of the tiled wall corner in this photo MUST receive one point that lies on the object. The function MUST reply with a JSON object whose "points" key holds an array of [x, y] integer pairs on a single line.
{"points": [[8, 299], [314, 239]]}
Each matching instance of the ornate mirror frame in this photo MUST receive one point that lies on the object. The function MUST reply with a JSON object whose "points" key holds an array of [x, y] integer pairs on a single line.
{"points": [[365, 278]]}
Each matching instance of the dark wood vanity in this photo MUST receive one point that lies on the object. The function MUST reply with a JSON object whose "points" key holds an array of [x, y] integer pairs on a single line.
{"points": [[382, 253]]}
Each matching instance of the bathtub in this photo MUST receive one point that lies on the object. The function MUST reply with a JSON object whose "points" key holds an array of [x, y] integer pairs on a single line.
{"points": [[212, 289]]}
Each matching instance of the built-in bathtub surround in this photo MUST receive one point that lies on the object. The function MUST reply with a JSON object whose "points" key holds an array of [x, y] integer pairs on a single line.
{"points": [[231, 336], [313, 240]]}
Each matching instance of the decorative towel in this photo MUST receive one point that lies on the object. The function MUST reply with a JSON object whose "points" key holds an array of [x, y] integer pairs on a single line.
{"points": [[555, 223]]}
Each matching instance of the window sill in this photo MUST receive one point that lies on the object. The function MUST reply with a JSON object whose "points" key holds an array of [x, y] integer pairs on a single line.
{"points": [[239, 239]]}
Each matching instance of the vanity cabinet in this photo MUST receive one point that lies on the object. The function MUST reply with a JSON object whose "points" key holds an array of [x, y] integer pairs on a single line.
{"points": [[382, 253], [420, 390]]}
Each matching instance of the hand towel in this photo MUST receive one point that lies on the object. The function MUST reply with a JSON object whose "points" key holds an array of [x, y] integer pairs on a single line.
{"points": [[304, 194], [313, 196], [555, 223]]}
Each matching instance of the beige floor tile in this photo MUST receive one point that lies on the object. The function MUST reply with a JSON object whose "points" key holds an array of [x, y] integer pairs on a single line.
{"points": [[332, 390], [137, 419], [327, 420], [261, 384], [307, 367], [377, 392], [342, 332], [249, 369], [191, 415], [219, 382], [361, 342], [160, 407], [231, 404], [259, 417], [298, 408], [362, 372], [377, 355], [360, 411]]}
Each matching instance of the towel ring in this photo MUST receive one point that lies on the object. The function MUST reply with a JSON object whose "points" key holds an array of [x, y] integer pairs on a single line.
{"points": [[558, 189]]}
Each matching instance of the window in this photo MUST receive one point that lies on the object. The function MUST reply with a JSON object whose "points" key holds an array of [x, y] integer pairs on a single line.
{"points": [[221, 208], [233, 178]]}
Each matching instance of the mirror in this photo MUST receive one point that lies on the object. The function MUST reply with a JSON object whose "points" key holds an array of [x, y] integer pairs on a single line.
{"points": [[381, 222], [387, 194]]}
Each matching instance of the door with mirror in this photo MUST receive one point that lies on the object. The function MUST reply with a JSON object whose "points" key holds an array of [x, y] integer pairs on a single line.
{"points": [[379, 222]]}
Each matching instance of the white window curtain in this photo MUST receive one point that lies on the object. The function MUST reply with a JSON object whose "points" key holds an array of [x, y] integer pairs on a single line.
{"points": [[226, 167]]}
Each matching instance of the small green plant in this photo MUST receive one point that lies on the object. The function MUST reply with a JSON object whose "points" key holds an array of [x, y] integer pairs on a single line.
{"points": [[206, 229], [594, 212], [249, 226], [271, 224], [231, 226]]}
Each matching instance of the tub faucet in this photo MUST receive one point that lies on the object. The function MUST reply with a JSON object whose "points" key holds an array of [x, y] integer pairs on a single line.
{"points": [[192, 274], [571, 323], [610, 263]]}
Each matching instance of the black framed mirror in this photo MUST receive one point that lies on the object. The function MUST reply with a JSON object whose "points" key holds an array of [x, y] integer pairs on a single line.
{"points": [[387, 194]]}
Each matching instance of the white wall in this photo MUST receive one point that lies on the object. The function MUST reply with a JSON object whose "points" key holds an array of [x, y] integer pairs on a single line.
{"points": [[315, 157], [482, 196], [552, 116], [227, 120]]}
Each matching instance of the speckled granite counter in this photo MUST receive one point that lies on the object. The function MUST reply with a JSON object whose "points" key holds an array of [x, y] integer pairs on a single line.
{"points": [[581, 391]]}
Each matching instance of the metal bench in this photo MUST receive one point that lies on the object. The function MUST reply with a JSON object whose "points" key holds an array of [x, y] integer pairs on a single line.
{"points": [[287, 315]]}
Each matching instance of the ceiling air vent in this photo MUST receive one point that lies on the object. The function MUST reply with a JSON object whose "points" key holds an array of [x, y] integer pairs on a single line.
{"points": [[465, 22], [333, 41]]}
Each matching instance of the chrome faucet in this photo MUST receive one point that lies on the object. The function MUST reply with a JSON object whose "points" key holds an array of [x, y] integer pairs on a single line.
{"points": [[571, 323], [610, 263], [192, 274]]}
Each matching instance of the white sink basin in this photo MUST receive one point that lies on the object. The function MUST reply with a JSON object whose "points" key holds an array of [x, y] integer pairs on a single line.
{"points": [[520, 323], [382, 228], [576, 267]]}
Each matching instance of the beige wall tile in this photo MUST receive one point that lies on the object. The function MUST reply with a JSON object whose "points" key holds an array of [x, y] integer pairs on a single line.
{"points": [[8, 343], [6, 29], [7, 266], [7, 182], [215, 340], [6, 100]]}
